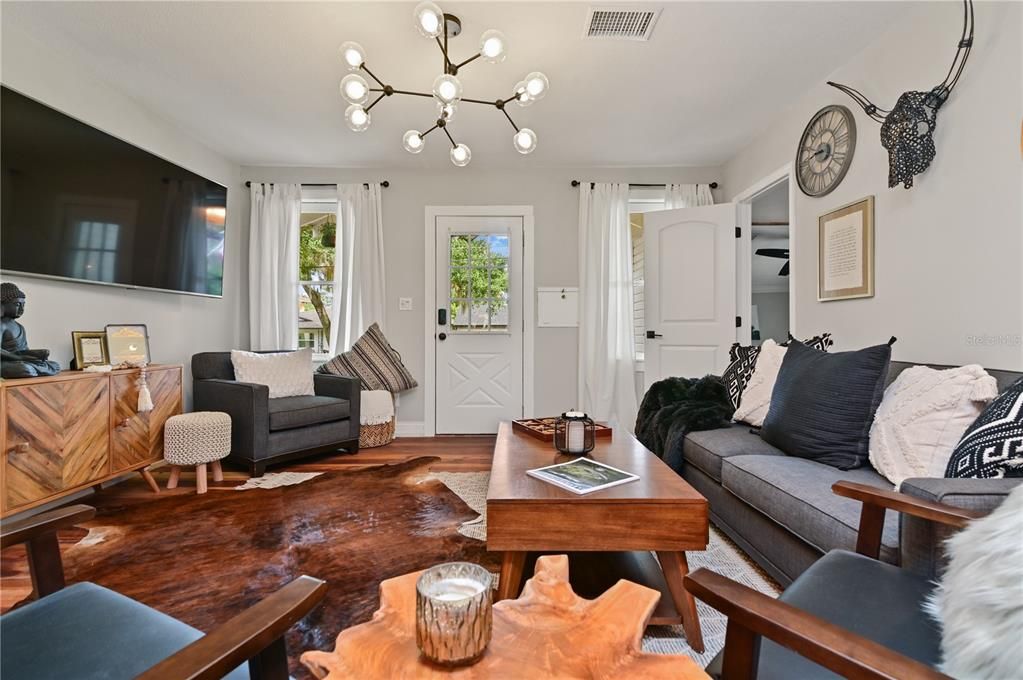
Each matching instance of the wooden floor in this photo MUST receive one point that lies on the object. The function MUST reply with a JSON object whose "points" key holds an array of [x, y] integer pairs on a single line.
{"points": [[456, 454]]}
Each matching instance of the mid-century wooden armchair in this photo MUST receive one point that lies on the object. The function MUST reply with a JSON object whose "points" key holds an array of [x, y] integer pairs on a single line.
{"points": [[848, 615], [87, 631]]}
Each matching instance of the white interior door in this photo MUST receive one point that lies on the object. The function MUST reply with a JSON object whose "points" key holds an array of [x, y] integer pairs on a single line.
{"points": [[479, 323], [689, 289]]}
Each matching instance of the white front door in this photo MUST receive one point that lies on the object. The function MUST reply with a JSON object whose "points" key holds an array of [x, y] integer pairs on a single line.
{"points": [[479, 323], [689, 289]]}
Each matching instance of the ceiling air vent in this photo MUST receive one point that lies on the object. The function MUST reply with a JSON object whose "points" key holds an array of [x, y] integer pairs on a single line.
{"points": [[621, 23]]}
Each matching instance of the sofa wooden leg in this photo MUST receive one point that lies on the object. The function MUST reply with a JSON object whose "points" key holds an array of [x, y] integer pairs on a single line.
{"points": [[257, 469]]}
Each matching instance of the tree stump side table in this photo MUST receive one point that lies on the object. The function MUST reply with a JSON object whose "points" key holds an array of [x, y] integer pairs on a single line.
{"points": [[548, 632]]}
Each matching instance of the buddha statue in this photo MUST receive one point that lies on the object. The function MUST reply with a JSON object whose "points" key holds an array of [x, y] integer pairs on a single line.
{"points": [[16, 359]]}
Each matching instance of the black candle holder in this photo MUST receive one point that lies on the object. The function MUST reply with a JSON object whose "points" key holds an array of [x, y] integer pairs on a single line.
{"points": [[574, 433]]}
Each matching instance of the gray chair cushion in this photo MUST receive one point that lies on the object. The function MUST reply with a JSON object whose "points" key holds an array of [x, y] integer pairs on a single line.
{"points": [[872, 599], [288, 413], [86, 631], [706, 449], [796, 493]]}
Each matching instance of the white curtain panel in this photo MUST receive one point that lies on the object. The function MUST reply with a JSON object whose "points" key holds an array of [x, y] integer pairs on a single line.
{"points": [[359, 298], [273, 266], [607, 352], [687, 196]]}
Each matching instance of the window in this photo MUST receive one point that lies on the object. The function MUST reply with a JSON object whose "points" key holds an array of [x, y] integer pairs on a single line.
{"points": [[317, 235], [478, 277], [94, 254], [641, 200]]}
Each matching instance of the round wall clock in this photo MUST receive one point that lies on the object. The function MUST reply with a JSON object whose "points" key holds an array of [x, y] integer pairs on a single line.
{"points": [[825, 150]]}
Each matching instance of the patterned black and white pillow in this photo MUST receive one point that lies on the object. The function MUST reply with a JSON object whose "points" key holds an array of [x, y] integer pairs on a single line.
{"points": [[993, 446], [743, 360]]}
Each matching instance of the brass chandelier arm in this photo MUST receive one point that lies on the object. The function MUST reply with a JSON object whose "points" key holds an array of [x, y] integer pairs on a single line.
{"points": [[506, 115], [469, 60], [371, 74], [450, 138], [382, 95], [444, 50]]}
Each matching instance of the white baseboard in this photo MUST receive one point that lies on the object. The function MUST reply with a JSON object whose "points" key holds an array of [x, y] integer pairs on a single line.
{"points": [[414, 429]]}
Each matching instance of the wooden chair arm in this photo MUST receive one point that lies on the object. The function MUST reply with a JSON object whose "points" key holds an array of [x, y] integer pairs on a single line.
{"points": [[255, 635], [752, 614], [24, 530], [876, 501]]}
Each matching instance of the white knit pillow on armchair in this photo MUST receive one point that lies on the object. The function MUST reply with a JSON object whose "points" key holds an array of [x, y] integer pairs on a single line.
{"points": [[922, 417], [287, 374]]}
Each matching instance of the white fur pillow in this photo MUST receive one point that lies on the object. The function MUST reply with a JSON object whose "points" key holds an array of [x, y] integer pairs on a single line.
{"points": [[979, 601], [756, 398], [923, 416], [287, 374]]}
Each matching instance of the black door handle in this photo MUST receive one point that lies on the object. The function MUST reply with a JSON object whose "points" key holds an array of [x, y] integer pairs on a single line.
{"points": [[442, 317], [442, 336], [650, 335]]}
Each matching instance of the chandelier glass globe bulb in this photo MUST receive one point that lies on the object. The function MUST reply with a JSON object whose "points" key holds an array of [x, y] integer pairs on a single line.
{"points": [[447, 89], [493, 47], [354, 89], [522, 97], [447, 111], [524, 141], [460, 155], [537, 85], [357, 118], [413, 141], [429, 19], [352, 55]]}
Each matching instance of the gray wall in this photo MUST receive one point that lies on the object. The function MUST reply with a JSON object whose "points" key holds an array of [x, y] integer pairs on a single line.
{"points": [[178, 325], [948, 279], [556, 206]]}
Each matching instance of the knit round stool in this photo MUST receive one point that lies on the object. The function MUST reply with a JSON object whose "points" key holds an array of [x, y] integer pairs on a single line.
{"points": [[197, 439]]}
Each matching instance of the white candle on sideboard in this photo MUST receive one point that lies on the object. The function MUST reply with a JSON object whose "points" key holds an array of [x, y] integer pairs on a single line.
{"points": [[576, 436]]}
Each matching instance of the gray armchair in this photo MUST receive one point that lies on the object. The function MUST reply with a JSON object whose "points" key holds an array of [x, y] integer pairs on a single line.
{"points": [[267, 431]]}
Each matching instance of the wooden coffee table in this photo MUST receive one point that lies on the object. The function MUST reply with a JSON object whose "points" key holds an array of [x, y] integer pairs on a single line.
{"points": [[609, 534]]}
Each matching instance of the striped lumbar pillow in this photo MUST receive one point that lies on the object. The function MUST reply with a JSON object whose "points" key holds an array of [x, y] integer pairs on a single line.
{"points": [[373, 361]]}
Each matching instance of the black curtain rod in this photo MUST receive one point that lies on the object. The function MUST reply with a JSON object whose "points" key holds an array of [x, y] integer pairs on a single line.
{"points": [[384, 184], [575, 183]]}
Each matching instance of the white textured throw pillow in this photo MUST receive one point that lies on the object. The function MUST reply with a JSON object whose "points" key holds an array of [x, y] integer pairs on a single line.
{"points": [[756, 398], [979, 601], [922, 417], [287, 374]]}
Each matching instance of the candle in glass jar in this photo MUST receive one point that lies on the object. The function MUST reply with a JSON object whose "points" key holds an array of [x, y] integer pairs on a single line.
{"points": [[453, 613]]}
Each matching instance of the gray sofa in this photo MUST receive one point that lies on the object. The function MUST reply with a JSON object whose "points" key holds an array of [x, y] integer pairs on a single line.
{"points": [[781, 510], [266, 431]]}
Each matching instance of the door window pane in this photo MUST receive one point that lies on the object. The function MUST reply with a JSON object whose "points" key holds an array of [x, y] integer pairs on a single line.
{"points": [[478, 281]]}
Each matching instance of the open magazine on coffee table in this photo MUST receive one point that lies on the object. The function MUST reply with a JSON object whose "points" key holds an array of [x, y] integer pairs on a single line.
{"points": [[582, 475]]}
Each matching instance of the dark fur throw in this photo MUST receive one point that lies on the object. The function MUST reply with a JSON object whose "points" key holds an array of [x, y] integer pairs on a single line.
{"points": [[674, 407]]}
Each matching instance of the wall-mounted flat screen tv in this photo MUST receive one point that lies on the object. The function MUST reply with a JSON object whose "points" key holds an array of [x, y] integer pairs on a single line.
{"points": [[80, 204]]}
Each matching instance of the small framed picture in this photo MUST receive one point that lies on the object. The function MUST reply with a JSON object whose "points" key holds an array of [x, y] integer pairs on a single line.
{"points": [[845, 255], [90, 348], [128, 344]]}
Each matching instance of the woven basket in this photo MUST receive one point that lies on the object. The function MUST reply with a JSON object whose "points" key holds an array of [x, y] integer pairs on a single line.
{"points": [[371, 436]]}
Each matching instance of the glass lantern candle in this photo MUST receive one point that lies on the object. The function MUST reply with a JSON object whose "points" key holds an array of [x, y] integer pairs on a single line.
{"points": [[574, 433], [454, 617]]}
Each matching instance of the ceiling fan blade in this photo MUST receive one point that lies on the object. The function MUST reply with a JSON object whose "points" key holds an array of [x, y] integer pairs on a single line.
{"points": [[782, 253], [784, 271]]}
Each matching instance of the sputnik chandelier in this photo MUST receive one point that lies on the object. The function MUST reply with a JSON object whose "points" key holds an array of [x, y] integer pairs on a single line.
{"points": [[447, 90]]}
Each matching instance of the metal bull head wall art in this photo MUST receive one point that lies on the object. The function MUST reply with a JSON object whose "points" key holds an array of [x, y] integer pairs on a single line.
{"points": [[907, 129]]}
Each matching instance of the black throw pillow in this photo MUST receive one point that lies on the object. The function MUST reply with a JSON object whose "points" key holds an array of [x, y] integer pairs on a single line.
{"points": [[993, 446], [823, 403]]}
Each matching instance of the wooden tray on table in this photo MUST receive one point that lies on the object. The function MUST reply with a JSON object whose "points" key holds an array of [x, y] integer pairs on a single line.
{"points": [[543, 428]]}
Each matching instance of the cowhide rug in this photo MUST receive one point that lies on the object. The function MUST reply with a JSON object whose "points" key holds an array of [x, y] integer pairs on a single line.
{"points": [[203, 559]]}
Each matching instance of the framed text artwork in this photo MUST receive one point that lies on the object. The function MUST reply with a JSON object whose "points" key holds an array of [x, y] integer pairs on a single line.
{"points": [[845, 254]]}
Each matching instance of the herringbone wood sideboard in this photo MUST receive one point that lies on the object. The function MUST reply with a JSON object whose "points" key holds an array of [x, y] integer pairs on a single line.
{"points": [[70, 431]]}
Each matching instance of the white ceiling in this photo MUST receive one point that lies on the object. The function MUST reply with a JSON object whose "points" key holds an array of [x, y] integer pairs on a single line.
{"points": [[258, 81]]}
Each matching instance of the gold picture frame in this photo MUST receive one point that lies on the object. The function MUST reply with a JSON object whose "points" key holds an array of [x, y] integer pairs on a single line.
{"points": [[845, 252], [90, 348]]}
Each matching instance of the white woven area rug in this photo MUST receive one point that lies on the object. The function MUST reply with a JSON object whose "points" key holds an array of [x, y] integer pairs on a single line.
{"points": [[721, 556]]}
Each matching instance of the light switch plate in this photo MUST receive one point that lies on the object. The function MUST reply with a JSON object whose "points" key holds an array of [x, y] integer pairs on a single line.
{"points": [[405, 304]]}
